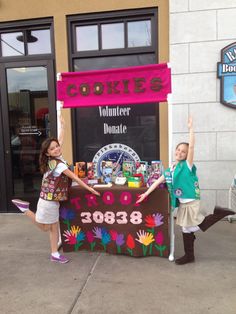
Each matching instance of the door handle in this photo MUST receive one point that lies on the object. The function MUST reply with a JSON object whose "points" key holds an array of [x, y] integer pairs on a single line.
{"points": [[7, 152]]}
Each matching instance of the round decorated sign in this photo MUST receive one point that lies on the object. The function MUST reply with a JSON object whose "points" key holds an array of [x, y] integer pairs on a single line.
{"points": [[117, 153]]}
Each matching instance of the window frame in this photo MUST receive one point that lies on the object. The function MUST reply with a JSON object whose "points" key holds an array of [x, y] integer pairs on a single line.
{"points": [[23, 26], [112, 17]]}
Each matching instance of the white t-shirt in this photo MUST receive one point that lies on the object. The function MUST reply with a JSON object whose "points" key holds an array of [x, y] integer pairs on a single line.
{"points": [[59, 168]]}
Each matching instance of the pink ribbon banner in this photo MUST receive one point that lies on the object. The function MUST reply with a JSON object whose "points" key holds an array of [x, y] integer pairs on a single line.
{"points": [[132, 85]]}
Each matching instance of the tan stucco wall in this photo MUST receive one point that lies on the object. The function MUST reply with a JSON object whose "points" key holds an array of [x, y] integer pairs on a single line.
{"points": [[12, 10]]}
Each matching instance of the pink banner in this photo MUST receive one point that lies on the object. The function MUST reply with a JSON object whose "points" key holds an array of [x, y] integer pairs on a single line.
{"points": [[132, 85]]}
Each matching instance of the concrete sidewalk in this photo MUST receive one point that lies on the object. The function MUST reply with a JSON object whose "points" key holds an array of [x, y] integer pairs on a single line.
{"points": [[94, 283]]}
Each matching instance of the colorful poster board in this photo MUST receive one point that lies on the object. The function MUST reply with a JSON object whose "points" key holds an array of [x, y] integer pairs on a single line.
{"points": [[113, 223]]}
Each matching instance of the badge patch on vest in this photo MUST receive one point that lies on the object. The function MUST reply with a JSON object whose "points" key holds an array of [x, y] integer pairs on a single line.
{"points": [[52, 164], [178, 192]]}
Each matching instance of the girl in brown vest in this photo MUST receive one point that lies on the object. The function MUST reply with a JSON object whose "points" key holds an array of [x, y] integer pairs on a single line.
{"points": [[55, 184]]}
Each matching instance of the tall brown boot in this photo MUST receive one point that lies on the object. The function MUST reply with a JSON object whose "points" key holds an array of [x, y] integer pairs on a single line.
{"points": [[188, 257], [218, 214]]}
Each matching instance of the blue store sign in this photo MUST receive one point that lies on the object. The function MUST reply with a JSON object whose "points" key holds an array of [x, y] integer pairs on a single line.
{"points": [[226, 72]]}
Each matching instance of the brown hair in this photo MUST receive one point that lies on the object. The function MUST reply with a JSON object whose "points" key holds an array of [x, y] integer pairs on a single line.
{"points": [[43, 158], [182, 143]]}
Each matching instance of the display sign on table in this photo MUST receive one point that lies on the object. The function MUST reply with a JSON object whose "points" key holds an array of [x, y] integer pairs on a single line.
{"points": [[114, 223]]}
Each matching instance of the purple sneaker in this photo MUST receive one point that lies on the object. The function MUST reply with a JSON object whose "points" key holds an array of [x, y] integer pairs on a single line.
{"points": [[61, 259], [22, 205]]}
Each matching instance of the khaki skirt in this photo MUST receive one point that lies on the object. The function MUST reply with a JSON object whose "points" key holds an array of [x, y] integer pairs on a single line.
{"points": [[189, 215], [47, 211]]}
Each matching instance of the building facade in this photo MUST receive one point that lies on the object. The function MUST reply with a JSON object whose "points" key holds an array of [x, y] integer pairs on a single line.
{"points": [[199, 30], [41, 39]]}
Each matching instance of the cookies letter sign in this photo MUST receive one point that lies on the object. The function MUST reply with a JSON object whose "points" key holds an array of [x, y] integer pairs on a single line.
{"points": [[132, 85]]}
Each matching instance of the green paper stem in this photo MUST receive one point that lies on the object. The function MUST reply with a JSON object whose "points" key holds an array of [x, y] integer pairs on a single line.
{"points": [[150, 249], [151, 230], [160, 248], [92, 245], [104, 247], [145, 247], [78, 245], [130, 251], [67, 222]]}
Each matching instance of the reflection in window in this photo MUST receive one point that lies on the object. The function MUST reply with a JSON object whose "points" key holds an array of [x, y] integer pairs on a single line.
{"points": [[29, 121], [30, 78], [41, 43], [87, 38], [139, 34], [113, 36], [108, 62], [11, 45]]}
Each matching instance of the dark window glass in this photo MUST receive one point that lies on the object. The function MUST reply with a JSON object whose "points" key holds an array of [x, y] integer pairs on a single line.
{"points": [[11, 45], [93, 124], [113, 61], [29, 126], [87, 38], [139, 33], [94, 129]]}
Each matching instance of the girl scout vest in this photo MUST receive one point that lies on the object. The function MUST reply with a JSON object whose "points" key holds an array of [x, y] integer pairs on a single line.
{"points": [[184, 183], [55, 188]]}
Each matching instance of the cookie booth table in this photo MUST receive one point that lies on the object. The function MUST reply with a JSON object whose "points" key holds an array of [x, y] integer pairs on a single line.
{"points": [[114, 223]]}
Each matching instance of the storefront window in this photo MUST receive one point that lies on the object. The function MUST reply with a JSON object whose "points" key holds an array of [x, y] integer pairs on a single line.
{"points": [[87, 38], [139, 34], [121, 61], [41, 43], [28, 113], [113, 36], [122, 39], [11, 46], [94, 125], [28, 109], [27, 42]]}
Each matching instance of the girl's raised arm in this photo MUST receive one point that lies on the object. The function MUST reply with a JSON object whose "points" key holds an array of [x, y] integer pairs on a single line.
{"points": [[62, 129], [191, 142]]}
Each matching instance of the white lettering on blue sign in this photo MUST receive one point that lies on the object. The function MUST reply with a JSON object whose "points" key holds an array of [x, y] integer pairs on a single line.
{"points": [[227, 68], [231, 55]]}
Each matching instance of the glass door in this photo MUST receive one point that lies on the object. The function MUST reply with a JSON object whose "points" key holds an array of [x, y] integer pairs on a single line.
{"points": [[28, 117]]}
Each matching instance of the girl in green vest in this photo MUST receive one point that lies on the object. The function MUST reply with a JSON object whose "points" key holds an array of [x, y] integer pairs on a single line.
{"points": [[55, 184], [183, 186]]}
